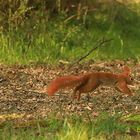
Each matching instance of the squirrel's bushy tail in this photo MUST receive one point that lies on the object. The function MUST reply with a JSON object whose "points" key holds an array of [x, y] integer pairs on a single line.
{"points": [[65, 81]]}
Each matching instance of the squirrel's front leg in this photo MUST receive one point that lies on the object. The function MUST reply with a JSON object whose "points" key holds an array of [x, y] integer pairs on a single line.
{"points": [[122, 87]]}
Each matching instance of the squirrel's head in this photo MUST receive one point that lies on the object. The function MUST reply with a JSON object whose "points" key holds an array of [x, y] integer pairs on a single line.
{"points": [[126, 73]]}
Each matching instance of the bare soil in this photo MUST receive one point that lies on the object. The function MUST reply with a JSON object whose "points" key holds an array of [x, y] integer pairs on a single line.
{"points": [[21, 86]]}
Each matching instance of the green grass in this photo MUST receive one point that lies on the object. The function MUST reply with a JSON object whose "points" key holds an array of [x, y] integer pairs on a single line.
{"points": [[104, 127], [47, 40]]}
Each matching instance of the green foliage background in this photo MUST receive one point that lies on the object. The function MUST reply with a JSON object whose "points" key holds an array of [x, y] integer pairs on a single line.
{"points": [[48, 31]]}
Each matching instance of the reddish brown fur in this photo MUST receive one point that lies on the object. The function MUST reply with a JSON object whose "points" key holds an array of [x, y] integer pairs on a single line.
{"points": [[62, 82], [89, 82]]}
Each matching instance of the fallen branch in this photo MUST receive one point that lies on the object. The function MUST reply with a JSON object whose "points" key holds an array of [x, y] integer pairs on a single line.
{"points": [[99, 43]]}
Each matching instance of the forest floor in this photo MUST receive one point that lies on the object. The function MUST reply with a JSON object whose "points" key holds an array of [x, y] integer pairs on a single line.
{"points": [[21, 99]]}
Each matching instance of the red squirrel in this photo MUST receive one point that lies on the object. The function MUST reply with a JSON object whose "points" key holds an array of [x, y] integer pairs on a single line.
{"points": [[90, 81]]}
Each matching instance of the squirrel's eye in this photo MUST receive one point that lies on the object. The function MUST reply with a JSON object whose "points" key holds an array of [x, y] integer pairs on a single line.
{"points": [[131, 78]]}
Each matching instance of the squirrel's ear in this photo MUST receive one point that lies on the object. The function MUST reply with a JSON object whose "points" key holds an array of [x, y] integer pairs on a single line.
{"points": [[127, 70]]}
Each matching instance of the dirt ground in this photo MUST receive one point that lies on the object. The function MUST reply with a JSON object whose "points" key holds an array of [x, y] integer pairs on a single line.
{"points": [[21, 86]]}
